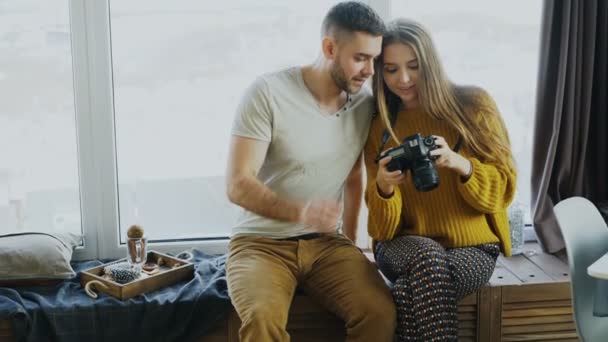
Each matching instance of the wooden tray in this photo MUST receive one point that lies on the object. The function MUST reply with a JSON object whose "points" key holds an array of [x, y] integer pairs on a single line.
{"points": [[172, 271]]}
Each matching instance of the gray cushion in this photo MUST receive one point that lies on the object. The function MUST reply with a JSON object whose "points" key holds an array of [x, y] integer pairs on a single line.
{"points": [[26, 256]]}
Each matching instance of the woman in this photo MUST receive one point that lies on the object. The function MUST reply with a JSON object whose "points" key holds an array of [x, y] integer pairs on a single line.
{"points": [[436, 246]]}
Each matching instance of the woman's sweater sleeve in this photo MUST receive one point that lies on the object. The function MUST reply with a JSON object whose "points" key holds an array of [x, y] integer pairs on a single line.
{"points": [[491, 186], [384, 214]]}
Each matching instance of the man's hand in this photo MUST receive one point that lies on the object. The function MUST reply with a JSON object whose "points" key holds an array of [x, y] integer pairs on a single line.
{"points": [[323, 215]]}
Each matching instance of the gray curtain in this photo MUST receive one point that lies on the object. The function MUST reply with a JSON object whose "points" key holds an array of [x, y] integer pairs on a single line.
{"points": [[570, 145]]}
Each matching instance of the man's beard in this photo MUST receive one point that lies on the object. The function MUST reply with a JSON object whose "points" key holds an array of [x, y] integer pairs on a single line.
{"points": [[339, 76]]}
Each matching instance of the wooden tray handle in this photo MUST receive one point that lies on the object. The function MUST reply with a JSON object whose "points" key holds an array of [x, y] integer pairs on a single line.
{"points": [[89, 291]]}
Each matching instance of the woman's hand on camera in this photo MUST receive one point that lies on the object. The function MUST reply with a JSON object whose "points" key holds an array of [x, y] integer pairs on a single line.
{"points": [[386, 180], [446, 158]]}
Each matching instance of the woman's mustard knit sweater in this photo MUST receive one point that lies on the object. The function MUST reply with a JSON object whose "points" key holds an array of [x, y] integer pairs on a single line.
{"points": [[457, 213]]}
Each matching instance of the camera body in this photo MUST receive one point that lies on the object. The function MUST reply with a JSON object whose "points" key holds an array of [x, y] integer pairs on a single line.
{"points": [[414, 155]]}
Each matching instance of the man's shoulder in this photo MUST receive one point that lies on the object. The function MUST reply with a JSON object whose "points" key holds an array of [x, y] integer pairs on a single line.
{"points": [[269, 84], [279, 77]]}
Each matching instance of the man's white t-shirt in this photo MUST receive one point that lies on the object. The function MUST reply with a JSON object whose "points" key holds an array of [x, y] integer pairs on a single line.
{"points": [[310, 153]]}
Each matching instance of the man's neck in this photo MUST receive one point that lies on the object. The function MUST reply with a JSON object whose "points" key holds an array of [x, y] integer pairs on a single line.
{"points": [[323, 88]]}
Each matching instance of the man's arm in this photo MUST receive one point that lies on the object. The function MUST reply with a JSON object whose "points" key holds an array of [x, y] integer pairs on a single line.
{"points": [[353, 193], [245, 189]]}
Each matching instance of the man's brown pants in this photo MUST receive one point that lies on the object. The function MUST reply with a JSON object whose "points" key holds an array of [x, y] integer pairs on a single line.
{"points": [[263, 274]]}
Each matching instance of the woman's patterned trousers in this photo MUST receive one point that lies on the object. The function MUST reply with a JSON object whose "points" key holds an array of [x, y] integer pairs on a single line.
{"points": [[429, 280]]}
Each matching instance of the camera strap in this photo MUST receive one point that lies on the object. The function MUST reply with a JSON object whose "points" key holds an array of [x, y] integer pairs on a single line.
{"points": [[386, 135], [458, 144]]}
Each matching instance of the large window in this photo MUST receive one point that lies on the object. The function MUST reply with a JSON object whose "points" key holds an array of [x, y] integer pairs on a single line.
{"points": [[38, 155], [119, 112], [179, 70], [494, 45]]}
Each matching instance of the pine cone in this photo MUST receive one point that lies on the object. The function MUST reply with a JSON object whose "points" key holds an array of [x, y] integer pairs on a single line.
{"points": [[122, 273]]}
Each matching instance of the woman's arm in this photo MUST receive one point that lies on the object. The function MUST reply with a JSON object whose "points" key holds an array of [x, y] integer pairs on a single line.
{"points": [[487, 187], [491, 185], [384, 209], [490, 188]]}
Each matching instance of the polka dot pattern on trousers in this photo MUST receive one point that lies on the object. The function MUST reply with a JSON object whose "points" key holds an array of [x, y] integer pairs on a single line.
{"points": [[429, 280]]}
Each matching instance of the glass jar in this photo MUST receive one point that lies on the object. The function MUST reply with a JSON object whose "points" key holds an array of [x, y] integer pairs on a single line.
{"points": [[516, 213]]}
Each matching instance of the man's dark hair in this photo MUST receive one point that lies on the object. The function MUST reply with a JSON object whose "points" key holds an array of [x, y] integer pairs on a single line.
{"points": [[350, 17]]}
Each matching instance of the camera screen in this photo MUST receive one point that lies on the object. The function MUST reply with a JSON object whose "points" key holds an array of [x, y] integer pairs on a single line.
{"points": [[396, 152]]}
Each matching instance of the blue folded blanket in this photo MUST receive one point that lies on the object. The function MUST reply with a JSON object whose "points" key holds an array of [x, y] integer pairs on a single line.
{"points": [[180, 312]]}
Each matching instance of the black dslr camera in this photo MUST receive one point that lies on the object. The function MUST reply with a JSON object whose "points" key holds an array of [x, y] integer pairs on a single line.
{"points": [[414, 155]]}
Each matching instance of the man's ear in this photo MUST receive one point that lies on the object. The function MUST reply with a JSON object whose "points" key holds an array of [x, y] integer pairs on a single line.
{"points": [[329, 47]]}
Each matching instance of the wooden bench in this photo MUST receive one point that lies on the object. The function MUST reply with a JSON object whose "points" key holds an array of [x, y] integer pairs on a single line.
{"points": [[527, 299]]}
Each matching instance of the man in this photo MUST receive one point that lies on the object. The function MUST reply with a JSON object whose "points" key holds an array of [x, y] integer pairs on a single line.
{"points": [[295, 157]]}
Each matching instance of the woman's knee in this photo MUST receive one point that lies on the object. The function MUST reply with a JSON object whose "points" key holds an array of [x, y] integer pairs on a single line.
{"points": [[430, 256], [397, 257]]}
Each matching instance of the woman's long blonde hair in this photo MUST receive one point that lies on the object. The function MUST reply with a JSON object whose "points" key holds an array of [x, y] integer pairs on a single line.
{"points": [[438, 96]]}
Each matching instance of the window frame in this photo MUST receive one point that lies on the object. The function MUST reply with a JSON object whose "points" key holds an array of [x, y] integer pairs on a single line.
{"points": [[93, 96]]}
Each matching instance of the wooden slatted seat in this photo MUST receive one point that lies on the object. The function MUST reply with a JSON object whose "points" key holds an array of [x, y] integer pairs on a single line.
{"points": [[527, 299]]}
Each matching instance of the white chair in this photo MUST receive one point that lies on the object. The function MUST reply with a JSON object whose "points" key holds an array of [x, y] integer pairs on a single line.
{"points": [[586, 236]]}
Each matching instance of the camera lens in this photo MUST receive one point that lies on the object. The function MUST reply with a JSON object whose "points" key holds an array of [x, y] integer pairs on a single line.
{"points": [[425, 176], [429, 141]]}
